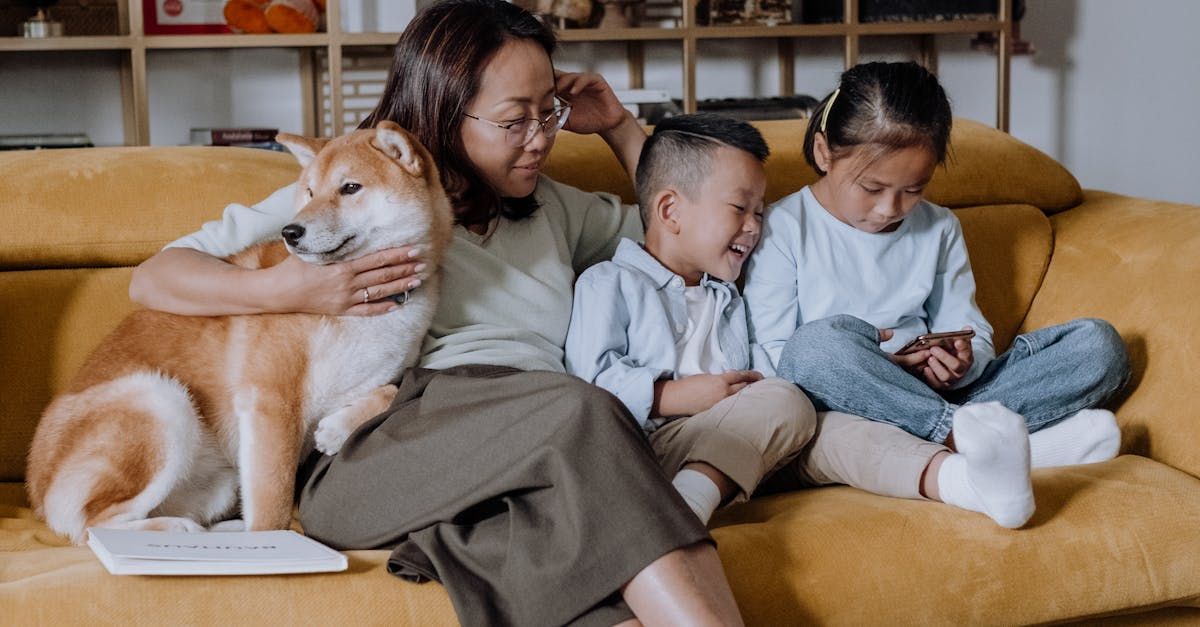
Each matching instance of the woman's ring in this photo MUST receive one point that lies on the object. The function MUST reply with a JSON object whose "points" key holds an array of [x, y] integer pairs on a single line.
{"points": [[366, 295]]}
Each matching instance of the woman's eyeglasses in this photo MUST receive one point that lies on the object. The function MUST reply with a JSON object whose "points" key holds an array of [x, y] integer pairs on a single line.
{"points": [[521, 132]]}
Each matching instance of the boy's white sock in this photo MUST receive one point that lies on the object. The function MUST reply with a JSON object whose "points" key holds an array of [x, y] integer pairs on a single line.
{"points": [[700, 493], [990, 473], [1086, 437]]}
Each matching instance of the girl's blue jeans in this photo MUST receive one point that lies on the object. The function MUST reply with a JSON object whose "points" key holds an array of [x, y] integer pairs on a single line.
{"points": [[1046, 375]]}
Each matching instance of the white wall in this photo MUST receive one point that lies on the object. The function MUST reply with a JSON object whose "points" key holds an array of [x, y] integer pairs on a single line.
{"points": [[61, 92], [246, 88], [1112, 92]]}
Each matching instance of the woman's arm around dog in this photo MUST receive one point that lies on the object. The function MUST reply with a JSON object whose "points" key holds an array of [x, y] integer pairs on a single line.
{"points": [[191, 276]]}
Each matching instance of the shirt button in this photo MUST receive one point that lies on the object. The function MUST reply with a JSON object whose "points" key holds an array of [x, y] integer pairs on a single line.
{"points": [[676, 282]]}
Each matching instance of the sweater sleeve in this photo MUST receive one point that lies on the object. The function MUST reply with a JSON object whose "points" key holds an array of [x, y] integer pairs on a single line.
{"points": [[594, 222], [597, 347], [772, 291], [242, 226], [951, 303]]}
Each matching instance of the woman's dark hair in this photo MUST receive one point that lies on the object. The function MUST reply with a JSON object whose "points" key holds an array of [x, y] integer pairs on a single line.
{"points": [[436, 71], [888, 106]]}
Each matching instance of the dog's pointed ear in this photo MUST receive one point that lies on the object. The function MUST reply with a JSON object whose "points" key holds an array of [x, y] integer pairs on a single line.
{"points": [[305, 149], [393, 141]]}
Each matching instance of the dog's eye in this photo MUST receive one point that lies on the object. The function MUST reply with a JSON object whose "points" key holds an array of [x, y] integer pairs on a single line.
{"points": [[309, 190], [349, 188]]}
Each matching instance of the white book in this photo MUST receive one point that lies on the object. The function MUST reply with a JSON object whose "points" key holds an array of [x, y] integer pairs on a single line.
{"points": [[125, 552]]}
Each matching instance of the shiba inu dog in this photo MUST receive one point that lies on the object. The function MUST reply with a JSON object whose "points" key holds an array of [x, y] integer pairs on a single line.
{"points": [[172, 418]]}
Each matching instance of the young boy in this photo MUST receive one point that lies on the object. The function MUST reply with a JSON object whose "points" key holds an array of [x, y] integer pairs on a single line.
{"points": [[663, 327]]}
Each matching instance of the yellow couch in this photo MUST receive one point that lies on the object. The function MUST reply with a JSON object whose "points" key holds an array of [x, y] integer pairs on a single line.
{"points": [[1111, 539]]}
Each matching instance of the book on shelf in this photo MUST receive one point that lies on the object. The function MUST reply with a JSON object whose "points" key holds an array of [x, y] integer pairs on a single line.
{"points": [[126, 552], [231, 136]]}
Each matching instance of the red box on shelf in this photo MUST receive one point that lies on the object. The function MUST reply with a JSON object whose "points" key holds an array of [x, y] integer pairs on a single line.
{"points": [[184, 17]]}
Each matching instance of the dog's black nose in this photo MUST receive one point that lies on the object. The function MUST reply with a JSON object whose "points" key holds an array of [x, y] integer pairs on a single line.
{"points": [[293, 233]]}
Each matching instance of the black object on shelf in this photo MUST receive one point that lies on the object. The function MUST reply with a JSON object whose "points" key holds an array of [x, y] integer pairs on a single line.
{"points": [[775, 108], [50, 140], [827, 11]]}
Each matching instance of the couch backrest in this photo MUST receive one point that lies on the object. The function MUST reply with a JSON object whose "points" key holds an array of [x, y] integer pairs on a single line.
{"points": [[76, 220], [984, 167], [103, 207]]}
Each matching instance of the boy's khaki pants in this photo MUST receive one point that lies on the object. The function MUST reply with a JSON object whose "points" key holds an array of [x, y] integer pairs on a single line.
{"points": [[770, 430]]}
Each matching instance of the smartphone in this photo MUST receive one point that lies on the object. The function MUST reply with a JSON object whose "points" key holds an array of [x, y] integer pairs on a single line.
{"points": [[929, 340]]}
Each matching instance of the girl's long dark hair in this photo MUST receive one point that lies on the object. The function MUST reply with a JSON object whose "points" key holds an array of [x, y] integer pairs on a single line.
{"points": [[887, 106], [435, 72]]}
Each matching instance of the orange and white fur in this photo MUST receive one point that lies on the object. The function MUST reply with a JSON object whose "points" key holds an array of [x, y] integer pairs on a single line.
{"points": [[173, 417]]}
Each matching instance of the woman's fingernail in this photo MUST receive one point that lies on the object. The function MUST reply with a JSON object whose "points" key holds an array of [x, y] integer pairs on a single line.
{"points": [[416, 252], [414, 284], [393, 308], [419, 267]]}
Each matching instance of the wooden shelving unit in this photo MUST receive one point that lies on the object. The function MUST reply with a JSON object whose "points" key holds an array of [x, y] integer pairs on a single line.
{"points": [[135, 46]]}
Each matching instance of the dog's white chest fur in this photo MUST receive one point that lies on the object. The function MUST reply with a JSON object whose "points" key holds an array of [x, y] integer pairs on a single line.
{"points": [[356, 355]]}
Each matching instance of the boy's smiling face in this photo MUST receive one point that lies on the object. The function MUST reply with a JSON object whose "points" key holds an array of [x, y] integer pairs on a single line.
{"points": [[718, 224]]}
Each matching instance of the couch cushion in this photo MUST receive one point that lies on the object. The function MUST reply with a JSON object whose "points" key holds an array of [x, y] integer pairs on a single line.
{"points": [[1135, 263], [44, 581], [49, 322], [118, 206], [985, 167], [1009, 247], [1107, 538]]}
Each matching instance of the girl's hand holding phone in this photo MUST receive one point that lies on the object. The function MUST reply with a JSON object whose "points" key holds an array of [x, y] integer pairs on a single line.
{"points": [[943, 369], [940, 365]]}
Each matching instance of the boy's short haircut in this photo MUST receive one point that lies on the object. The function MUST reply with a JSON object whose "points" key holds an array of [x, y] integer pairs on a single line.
{"points": [[679, 153]]}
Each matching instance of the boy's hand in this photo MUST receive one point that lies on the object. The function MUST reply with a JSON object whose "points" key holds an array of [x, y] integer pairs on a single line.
{"points": [[691, 395]]}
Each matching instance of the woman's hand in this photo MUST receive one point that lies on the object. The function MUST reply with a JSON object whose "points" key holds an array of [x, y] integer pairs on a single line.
{"points": [[362, 287], [189, 282], [594, 106], [595, 109]]}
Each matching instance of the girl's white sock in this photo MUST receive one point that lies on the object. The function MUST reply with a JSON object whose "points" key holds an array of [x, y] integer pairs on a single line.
{"points": [[990, 472], [1086, 437], [700, 493]]}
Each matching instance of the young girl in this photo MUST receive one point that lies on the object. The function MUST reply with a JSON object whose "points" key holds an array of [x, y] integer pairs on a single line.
{"points": [[858, 264]]}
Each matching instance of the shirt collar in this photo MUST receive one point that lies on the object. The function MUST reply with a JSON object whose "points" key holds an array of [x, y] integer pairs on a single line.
{"points": [[630, 253]]}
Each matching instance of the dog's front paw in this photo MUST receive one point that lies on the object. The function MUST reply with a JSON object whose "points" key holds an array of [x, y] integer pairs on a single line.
{"points": [[330, 436], [236, 524]]}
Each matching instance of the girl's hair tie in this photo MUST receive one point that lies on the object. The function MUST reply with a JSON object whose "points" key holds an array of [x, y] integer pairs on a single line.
{"points": [[828, 106]]}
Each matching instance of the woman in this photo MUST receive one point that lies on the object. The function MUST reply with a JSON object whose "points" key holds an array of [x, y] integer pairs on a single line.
{"points": [[493, 472]]}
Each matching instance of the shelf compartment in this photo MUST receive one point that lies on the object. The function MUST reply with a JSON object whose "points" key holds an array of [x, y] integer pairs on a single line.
{"points": [[183, 42], [111, 42]]}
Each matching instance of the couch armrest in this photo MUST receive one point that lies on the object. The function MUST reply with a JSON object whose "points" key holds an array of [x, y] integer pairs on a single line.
{"points": [[1135, 263]]}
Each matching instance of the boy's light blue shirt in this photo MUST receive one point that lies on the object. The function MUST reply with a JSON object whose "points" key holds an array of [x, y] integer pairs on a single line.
{"points": [[809, 266], [629, 314]]}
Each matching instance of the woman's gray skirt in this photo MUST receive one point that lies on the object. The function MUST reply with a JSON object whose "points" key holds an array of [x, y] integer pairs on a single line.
{"points": [[532, 496]]}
